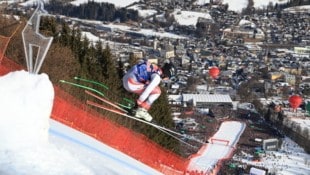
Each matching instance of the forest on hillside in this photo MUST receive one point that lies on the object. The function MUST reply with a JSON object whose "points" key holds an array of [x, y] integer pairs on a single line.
{"points": [[100, 11]]}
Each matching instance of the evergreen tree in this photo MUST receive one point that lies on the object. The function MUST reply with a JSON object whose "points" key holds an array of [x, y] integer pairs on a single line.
{"points": [[48, 26], [76, 42], [110, 71], [65, 34], [83, 51]]}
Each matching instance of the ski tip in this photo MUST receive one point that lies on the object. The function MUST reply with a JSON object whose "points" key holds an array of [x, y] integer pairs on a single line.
{"points": [[75, 78], [62, 81]]}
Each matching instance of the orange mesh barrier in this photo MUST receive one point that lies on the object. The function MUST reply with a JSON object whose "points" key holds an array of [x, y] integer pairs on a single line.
{"points": [[214, 140]]}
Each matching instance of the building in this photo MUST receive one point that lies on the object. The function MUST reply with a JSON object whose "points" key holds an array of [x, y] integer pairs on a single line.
{"points": [[206, 100]]}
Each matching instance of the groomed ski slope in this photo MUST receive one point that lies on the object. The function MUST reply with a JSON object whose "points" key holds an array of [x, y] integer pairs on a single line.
{"points": [[96, 155], [221, 147]]}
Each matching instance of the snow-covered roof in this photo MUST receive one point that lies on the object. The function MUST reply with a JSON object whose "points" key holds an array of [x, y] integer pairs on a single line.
{"points": [[207, 98], [246, 22], [298, 8], [143, 12]]}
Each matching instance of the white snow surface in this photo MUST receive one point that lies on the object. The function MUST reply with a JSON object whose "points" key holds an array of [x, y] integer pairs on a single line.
{"points": [[189, 17], [222, 145]]}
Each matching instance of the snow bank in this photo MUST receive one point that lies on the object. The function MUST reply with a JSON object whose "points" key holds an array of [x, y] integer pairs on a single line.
{"points": [[26, 104]]}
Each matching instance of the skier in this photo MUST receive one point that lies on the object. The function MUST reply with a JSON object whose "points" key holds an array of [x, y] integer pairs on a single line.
{"points": [[144, 79]]}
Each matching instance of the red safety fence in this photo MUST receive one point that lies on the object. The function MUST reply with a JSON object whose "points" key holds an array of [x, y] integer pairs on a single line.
{"points": [[78, 115], [220, 141]]}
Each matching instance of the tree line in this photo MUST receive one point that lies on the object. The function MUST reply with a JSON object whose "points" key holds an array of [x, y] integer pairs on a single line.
{"points": [[92, 10]]}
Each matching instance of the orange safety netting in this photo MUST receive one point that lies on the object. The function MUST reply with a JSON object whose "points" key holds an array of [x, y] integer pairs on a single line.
{"points": [[74, 113]]}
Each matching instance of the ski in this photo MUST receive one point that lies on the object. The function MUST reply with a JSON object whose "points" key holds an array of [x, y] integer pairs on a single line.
{"points": [[125, 114], [128, 106], [92, 81], [103, 86], [105, 101], [81, 86]]}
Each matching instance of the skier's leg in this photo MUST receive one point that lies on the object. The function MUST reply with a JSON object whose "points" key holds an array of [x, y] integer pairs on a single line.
{"points": [[150, 89], [151, 99], [144, 106], [135, 87]]}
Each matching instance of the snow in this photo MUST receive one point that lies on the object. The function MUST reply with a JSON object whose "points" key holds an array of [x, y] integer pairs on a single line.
{"points": [[146, 32], [265, 3], [91, 37], [305, 8], [94, 154], [221, 147], [33, 143], [201, 2], [237, 5], [144, 13], [189, 17], [30, 2]]}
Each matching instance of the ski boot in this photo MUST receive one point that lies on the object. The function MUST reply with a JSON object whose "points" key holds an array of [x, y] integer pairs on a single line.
{"points": [[143, 114]]}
